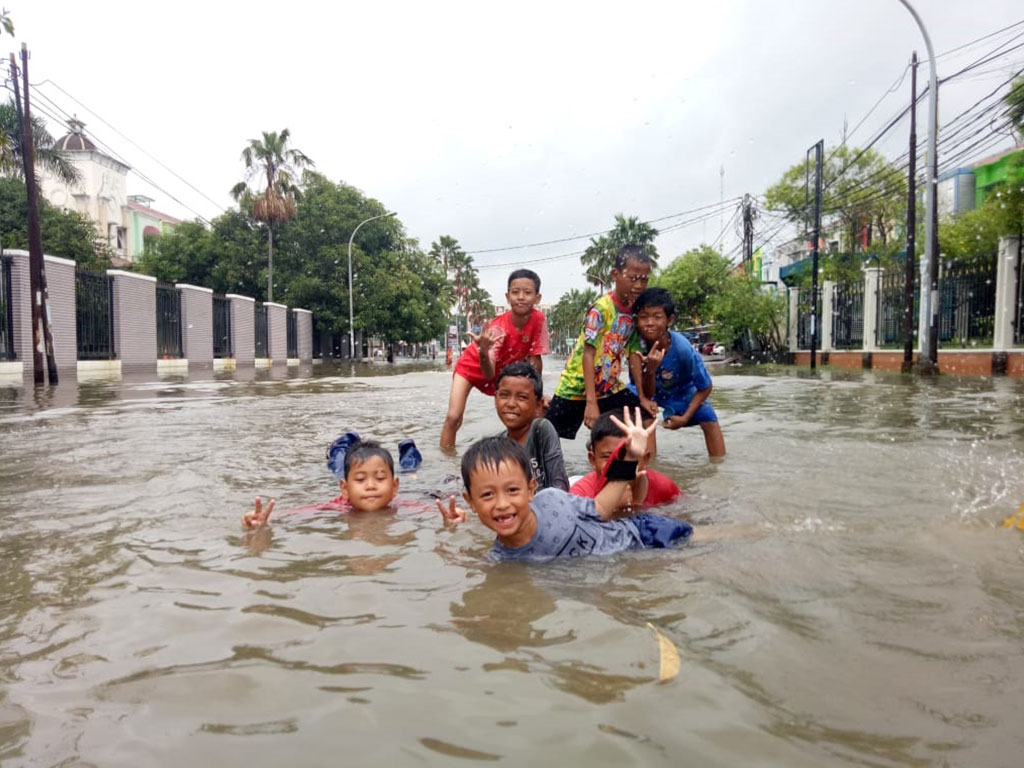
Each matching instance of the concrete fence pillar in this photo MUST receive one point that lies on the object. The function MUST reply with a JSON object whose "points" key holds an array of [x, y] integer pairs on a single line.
{"points": [[1006, 294], [794, 318], [243, 333], [60, 284], [277, 333], [134, 320], [827, 314], [196, 324], [304, 334], [872, 277]]}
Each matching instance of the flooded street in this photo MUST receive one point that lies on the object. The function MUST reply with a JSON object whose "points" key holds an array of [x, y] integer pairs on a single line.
{"points": [[861, 606]]}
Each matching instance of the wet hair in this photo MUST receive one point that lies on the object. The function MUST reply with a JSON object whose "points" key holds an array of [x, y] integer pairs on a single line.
{"points": [[653, 298], [603, 427], [529, 274], [364, 450], [628, 253], [522, 369], [492, 452]]}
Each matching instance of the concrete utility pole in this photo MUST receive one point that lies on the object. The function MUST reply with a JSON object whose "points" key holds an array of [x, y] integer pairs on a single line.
{"points": [[908, 287], [748, 230], [819, 150], [927, 359], [42, 339]]}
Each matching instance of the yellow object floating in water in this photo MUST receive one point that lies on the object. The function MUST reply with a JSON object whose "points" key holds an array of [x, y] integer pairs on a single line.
{"points": [[668, 666], [1015, 521]]}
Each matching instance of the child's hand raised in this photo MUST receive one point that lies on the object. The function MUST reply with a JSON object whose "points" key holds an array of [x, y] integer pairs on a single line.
{"points": [[487, 339], [259, 516], [637, 435], [654, 357], [451, 513]]}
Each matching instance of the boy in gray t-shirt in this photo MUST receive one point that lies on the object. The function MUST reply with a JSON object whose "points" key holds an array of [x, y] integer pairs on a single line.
{"points": [[533, 525]]}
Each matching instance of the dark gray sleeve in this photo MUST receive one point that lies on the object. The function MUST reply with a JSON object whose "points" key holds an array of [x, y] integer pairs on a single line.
{"points": [[549, 454]]}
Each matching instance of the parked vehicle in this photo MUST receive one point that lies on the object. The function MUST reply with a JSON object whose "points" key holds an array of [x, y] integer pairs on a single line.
{"points": [[719, 349]]}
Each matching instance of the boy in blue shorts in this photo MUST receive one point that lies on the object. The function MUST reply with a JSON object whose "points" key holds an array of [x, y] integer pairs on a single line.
{"points": [[671, 374], [543, 525]]}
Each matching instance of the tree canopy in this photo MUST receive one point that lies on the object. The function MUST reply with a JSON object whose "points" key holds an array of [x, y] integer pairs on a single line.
{"points": [[599, 257]]}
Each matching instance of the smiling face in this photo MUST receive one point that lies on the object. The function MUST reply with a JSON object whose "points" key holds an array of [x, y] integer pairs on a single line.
{"points": [[370, 485], [631, 281], [522, 296], [500, 496], [652, 323], [516, 402], [599, 456]]}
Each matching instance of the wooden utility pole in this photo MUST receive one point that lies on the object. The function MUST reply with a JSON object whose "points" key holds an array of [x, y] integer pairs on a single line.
{"points": [[908, 287], [42, 338]]}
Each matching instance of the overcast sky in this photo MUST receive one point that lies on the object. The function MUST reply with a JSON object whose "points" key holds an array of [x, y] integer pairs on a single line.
{"points": [[501, 124]]}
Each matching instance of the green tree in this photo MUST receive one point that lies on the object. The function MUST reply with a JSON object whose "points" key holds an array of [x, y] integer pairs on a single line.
{"points": [[276, 165], [861, 190], [68, 234], [565, 319], [694, 279], [46, 155], [1014, 101], [743, 307], [599, 257]]}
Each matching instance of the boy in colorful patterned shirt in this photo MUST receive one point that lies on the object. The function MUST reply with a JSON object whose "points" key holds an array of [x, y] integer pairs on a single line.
{"points": [[590, 384], [519, 334]]}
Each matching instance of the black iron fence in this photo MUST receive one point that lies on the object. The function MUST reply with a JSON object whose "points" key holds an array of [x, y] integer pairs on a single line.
{"points": [[892, 307], [260, 330], [222, 327], [94, 315], [293, 335], [318, 349], [967, 302], [6, 311], [848, 315], [168, 321], [803, 319]]}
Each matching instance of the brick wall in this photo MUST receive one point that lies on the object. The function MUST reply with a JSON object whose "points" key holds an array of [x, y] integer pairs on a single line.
{"points": [[277, 333], [134, 320], [304, 334], [243, 333], [197, 324]]}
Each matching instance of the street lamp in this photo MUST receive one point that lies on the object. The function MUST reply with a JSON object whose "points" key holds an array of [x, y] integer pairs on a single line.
{"points": [[928, 333], [351, 326]]}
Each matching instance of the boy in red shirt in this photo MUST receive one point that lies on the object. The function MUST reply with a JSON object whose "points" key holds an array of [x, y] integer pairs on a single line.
{"points": [[649, 489], [519, 334]]}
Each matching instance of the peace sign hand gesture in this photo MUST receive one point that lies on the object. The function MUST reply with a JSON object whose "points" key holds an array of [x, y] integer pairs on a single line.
{"points": [[451, 514], [259, 516]]}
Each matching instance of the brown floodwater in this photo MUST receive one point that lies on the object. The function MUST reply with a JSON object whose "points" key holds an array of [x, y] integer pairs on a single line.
{"points": [[860, 606]]}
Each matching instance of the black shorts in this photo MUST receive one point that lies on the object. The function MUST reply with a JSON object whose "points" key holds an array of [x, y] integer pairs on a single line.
{"points": [[567, 415]]}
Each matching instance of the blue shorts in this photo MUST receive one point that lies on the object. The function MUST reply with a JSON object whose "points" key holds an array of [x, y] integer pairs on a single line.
{"points": [[702, 415], [658, 531]]}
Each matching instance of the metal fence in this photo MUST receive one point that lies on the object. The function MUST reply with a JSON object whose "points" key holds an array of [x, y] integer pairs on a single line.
{"points": [[803, 319], [6, 311], [260, 329], [168, 321], [848, 315], [891, 307], [293, 335], [94, 315], [222, 327], [317, 342], [967, 302]]}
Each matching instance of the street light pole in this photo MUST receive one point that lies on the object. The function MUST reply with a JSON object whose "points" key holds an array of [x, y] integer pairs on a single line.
{"points": [[927, 356], [351, 327]]}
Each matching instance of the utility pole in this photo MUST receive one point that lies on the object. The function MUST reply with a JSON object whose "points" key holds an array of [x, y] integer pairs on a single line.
{"points": [[908, 286], [42, 339], [748, 230], [819, 150]]}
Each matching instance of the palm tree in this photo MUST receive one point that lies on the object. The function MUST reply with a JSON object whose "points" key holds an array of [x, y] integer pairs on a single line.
{"points": [[278, 164], [53, 160], [599, 257]]}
